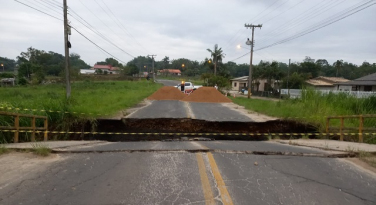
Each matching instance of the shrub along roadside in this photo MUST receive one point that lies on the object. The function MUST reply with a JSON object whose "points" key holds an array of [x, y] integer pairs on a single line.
{"points": [[98, 98], [313, 108]]}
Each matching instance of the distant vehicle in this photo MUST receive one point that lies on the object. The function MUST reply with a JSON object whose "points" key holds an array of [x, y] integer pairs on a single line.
{"points": [[188, 87]]}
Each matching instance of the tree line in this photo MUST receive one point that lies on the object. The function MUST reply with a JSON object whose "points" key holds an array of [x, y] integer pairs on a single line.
{"points": [[34, 65]]}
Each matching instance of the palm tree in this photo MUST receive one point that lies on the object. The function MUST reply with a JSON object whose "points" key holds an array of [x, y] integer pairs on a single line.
{"points": [[217, 55], [338, 65]]}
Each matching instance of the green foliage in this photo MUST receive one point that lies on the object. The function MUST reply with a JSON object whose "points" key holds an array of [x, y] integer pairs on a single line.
{"points": [[130, 70], [314, 107], [9, 64], [6, 75], [22, 81], [41, 149]]}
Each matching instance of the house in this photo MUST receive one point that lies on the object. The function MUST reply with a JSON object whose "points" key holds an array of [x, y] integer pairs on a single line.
{"points": [[87, 71], [108, 68], [365, 83], [328, 83], [7, 82], [170, 71], [237, 84]]}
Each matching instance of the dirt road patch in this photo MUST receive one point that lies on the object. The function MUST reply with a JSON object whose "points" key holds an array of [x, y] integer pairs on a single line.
{"points": [[167, 93], [208, 95]]}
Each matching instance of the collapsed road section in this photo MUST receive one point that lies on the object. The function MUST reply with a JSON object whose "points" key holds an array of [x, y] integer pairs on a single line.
{"points": [[173, 128]]}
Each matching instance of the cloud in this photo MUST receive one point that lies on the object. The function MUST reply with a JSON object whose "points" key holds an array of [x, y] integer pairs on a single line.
{"points": [[186, 28]]}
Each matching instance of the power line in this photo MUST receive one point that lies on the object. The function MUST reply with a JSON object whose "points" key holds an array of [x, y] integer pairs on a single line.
{"points": [[39, 10], [97, 45], [102, 36], [307, 31], [52, 4], [72, 28], [283, 11], [103, 22], [313, 13], [122, 26], [345, 15], [249, 20]]}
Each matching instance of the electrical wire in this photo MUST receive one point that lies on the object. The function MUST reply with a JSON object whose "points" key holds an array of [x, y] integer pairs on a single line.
{"points": [[319, 27], [97, 45], [298, 21], [39, 10], [123, 27], [101, 35], [72, 28], [103, 23]]}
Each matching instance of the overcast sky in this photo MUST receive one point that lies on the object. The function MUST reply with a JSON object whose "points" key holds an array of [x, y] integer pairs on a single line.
{"points": [[186, 28]]}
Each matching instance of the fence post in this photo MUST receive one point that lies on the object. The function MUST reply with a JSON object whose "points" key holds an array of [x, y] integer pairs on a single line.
{"points": [[46, 129], [33, 127], [17, 127], [361, 122], [327, 125], [341, 129]]}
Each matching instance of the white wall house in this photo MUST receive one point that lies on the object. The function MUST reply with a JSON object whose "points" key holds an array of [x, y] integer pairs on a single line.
{"points": [[328, 83]]}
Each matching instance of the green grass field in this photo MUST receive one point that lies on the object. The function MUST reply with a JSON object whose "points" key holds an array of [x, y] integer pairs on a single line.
{"points": [[100, 98], [314, 108]]}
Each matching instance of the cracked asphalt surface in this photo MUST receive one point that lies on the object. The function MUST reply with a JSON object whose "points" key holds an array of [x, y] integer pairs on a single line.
{"points": [[178, 178]]}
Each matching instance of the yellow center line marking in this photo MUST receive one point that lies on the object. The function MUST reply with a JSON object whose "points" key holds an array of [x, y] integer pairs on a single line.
{"points": [[226, 199], [208, 194]]}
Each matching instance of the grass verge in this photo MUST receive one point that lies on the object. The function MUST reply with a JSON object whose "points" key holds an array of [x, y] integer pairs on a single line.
{"points": [[89, 100], [368, 158], [3, 149], [41, 149], [313, 107]]}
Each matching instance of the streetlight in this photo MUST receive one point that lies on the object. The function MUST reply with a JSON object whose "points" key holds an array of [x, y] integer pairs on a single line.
{"points": [[182, 65], [2, 65]]}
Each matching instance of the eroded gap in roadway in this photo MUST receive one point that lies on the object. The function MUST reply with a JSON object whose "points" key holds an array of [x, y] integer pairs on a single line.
{"points": [[166, 151], [189, 128]]}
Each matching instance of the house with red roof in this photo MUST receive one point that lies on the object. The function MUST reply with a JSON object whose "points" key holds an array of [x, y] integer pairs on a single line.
{"points": [[171, 71], [108, 68]]}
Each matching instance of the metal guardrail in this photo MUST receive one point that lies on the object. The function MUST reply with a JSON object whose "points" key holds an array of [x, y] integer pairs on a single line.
{"points": [[17, 128], [342, 127]]}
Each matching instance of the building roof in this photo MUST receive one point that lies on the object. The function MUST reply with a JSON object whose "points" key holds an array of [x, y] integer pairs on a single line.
{"points": [[114, 68], [243, 78], [170, 71], [102, 66], [325, 81], [365, 80]]}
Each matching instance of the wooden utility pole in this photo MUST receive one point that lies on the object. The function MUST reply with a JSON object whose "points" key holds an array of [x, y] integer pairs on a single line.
{"points": [[152, 58], [251, 43], [288, 77], [67, 75]]}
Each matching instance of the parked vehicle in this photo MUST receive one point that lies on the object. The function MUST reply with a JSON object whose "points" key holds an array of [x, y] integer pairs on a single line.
{"points": [[187, 87]]}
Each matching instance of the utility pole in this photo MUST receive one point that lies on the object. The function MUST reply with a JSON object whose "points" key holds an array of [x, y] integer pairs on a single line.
{"points": [[288, 77], [152, 57], [251, 43], [67, 75]]}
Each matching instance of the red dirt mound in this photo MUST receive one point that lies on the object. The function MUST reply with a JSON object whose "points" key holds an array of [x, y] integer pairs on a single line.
{"points": [[167, 93], [207, 94]]}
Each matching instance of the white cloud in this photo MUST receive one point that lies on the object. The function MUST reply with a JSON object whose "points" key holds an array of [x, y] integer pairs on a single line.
{"points": [[186, 28]]}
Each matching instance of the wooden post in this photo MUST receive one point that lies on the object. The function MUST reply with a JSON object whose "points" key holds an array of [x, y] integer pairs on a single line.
{"points": [[17, 127], [341, 129], [33, 126], [361, 122], [46, 129], [327, 125]]}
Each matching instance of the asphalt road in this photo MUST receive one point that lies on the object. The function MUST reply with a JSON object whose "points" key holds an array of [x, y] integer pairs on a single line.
{"points": [[179, 109], [168, 82], [118, 176]]}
